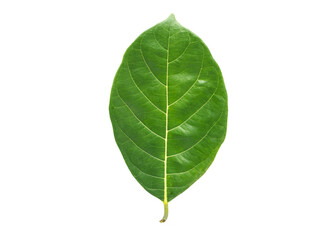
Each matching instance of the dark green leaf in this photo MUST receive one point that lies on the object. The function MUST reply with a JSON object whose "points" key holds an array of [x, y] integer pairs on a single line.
{"points": [[168, 109]]}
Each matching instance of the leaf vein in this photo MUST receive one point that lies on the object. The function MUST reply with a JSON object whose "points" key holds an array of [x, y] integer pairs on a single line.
{"points": [[181, 187], [200, 139], [136, 115], [141, 90], [154, 30], [199, 74], [143, 171], [152, 188], [189, 42], [197, 109], [177, 32], [150, 70], [180, 173], [159, 159]]}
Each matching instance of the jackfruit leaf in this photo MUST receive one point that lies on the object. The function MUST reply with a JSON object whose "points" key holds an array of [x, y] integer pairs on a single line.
{"points": [[168, 109]]}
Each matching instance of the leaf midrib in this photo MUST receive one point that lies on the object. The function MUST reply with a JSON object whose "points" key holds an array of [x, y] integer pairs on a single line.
{"points": [[165, 198]]}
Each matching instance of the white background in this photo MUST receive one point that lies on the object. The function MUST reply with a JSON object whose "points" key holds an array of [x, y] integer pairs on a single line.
{"points": [[62, 175]]}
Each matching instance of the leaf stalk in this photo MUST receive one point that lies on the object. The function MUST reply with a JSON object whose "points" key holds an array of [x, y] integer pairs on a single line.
{"points": [[165, 215]]}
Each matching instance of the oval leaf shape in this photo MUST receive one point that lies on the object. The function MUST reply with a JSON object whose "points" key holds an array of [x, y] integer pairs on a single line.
{"points": [[168, 109]]}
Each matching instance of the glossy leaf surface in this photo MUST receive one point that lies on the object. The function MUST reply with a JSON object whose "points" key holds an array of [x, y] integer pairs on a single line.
{"points": [[168, 109]]}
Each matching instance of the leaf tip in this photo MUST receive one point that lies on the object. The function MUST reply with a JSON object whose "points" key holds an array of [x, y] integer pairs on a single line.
{"points": [[171, 17]]}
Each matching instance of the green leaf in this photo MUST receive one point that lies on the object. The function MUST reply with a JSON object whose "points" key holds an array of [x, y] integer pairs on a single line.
{"points": [[168, 109]]}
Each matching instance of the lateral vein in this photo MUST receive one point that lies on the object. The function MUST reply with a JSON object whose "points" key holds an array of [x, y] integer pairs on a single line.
{"points": [[150, 70], [159, 159], [137, 116], [141, 90], [201, 138]]}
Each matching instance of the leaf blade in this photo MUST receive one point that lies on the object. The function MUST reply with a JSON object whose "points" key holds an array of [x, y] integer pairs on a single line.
{"points": [[168, 109]]}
